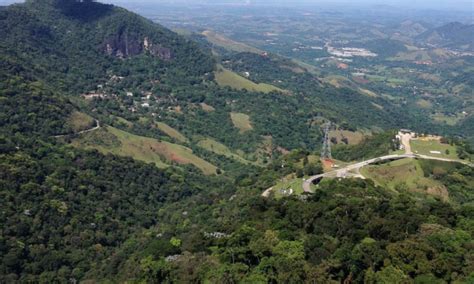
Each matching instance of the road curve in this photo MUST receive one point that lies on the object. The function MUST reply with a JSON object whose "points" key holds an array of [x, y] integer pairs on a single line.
{"points": [[97, 126], [344, 171]]}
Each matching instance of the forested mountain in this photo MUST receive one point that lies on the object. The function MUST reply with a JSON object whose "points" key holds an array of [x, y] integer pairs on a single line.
{"points": [[450, 35], [125, 156], [90, 48], [66, 43]]}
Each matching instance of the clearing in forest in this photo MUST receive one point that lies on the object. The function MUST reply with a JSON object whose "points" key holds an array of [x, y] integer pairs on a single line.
{"points": [[79, 121], [171, 132], [287, 186], [118, 142], [368, 93], [220, 149], [227, 78], [241, 121], [434, 148], [405, 174], [353, 138]]}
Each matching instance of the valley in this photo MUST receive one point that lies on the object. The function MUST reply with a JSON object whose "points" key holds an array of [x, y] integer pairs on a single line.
{"points": [[402, 61], [235, 142]]}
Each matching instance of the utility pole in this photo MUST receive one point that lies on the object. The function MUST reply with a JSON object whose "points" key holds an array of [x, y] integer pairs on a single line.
{"points": [[326, 150]]}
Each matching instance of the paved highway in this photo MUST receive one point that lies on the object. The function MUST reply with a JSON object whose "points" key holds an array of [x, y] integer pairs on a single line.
{"points": [[344, 172]]}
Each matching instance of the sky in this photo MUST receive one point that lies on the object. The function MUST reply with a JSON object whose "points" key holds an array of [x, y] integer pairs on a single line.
{"points": [[463, 5], [427, 4]]}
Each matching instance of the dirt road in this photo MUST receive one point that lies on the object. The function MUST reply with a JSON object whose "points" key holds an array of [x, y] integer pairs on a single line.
{"points": [[405, 140]]}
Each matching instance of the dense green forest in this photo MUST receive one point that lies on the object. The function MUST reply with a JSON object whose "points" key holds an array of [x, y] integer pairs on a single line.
{"points": [[69, 214]]}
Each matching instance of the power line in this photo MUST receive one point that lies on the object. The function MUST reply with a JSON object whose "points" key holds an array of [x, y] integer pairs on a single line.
{"points": [[326, 150]]}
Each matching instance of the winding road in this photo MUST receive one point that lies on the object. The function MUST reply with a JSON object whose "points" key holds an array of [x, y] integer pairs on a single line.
{"points": [[353, 170], [346, 171]]}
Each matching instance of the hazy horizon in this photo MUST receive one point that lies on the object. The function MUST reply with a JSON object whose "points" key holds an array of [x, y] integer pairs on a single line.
{"points": [[419, 4]]}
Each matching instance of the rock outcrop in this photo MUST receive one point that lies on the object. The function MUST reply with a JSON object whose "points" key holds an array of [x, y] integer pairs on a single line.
{"points": [[122, 46], [157, 50]]}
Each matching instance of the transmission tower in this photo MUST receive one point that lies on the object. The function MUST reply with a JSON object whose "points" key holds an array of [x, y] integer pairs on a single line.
{"points": [[326, 150]]}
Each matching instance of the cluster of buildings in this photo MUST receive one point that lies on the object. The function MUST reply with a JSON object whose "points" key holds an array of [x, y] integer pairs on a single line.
{"points": [[348, 52]]}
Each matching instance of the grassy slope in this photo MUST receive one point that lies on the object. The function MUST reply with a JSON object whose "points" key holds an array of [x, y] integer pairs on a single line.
{"points": [[227, 78], [353, 137], [424, 147], [122, 121], [79, 121], [368, 93], [339, 81], [405, 172], [171, 132], [220, 149], [114, 141], [241, 121]]}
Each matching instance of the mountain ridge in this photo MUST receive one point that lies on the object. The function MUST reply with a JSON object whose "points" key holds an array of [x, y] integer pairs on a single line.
{"points": [[454, 34]]}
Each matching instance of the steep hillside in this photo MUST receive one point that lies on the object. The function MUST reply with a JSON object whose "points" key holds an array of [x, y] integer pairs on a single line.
{"points": [[54, 51], [122, 160], [340, 103], [75, 45], [127, 66], [121, 143]]}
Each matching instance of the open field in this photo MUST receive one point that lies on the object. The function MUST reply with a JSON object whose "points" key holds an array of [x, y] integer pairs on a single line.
{"points": [[353, 138], [423, 147], [424, 104], [241, 121], [228, 43], [311, 159], [227, 78], [115, 141], [183, 155], [220, 149], [287, 185], [404, 174], [79, 121], [171, 132]]}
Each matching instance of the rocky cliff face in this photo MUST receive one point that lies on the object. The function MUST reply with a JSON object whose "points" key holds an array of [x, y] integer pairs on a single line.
{"points": [[123, 45], [157, 50]]}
